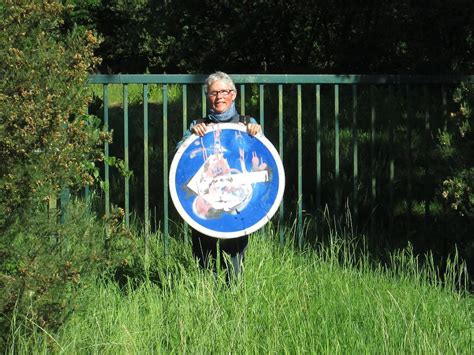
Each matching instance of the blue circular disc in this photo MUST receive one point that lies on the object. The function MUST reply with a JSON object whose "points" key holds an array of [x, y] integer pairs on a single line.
{"points": [[227, 183]]}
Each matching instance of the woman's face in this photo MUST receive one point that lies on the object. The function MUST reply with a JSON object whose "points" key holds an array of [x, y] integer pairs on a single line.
{"points": [[218, 100]]}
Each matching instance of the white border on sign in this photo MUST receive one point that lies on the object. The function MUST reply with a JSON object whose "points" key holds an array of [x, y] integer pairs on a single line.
{"points": [[211, 232]]}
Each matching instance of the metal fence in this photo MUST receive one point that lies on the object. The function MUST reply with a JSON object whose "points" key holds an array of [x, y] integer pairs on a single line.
{"points": [[344, 139]]}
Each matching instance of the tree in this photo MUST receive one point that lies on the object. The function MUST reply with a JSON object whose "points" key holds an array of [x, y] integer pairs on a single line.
{"points": [[47, 140], [281, 36]]}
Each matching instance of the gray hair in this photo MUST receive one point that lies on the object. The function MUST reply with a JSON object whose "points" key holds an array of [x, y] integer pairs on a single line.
{"points": [[218, 75]]}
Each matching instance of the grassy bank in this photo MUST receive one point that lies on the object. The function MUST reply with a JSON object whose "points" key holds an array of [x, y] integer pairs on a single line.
{"points": [[323, 301]]}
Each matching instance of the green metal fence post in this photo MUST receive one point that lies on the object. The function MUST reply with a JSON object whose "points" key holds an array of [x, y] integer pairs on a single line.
{"points": [[391, 153], [262, 107], [318, 157], [165, 168], [185, 128], [106, 151], [281, 152], [410, 156], [373, 179], [300, 167], [355, 159], [146, 195], [126, 154], [242, 99], [203, 100], [427, 157], [337, 185]]}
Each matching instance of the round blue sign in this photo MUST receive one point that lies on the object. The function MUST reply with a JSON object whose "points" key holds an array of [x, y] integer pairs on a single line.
{"points": [[227, 183]]}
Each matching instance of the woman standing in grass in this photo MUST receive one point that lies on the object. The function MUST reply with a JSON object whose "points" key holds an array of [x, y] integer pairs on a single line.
{"points": [[221, 94]]}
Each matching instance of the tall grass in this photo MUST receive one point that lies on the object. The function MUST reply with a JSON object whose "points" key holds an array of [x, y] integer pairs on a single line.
{"points": [[325, 301]]}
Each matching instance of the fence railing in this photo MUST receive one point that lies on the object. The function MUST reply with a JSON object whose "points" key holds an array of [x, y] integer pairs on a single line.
{"points": [[344, 139]]}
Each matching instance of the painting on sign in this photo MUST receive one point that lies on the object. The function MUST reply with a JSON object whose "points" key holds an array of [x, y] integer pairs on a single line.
{"points": [[227, 183]]}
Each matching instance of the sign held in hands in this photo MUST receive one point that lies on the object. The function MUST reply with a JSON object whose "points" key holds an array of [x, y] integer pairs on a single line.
{"points": [[227, 183]]}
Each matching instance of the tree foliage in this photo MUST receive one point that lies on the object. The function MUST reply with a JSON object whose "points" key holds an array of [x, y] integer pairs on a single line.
{"points": [[281, 36], [456, 148], [47, 140]]}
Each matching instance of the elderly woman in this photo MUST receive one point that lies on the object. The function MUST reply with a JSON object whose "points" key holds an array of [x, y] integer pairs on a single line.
{"points": [[221, 94]]}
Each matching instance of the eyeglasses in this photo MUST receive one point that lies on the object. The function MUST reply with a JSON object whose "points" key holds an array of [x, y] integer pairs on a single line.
{"points": [[222, 92]]}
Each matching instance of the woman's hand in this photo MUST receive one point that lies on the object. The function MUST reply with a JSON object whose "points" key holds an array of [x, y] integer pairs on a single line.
{"points": [[199, 129], [253, 129]]}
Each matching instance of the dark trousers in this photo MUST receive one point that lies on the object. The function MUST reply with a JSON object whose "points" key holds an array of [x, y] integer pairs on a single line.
{"points": [[231, 252]]}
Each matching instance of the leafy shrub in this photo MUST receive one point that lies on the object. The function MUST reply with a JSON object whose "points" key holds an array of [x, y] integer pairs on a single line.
{"points": [[47, 140], [457, 149]]}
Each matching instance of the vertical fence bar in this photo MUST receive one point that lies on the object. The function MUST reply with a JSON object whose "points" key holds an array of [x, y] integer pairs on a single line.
{"points": [[165, 168], [262, 107], [337, 188], [126, 154], [410, 156], [185, 108], [355, 159], [373, 184], [300, 168], [391, 153], [106, 151], [427, 183], [318, 148], [203, 100], [242, 99], [444, 113], [185, 128], [281, 151], [146, 203]]}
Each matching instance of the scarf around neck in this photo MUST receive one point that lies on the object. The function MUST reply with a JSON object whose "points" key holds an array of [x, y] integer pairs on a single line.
{"points": [[224, 116]]}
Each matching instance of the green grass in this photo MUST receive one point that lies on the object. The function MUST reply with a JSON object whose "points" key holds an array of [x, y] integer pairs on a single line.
{"points": [[321, 301], [135, 93]]}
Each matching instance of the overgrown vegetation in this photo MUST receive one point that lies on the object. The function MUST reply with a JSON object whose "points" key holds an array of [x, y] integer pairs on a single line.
{"points": [[45, 265], [47, 143], [72, 282], [333, 299], [47, 140]]}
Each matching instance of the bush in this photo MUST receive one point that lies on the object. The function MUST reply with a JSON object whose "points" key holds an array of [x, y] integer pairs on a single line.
{"points": [[47, 140], [457, 149]]}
